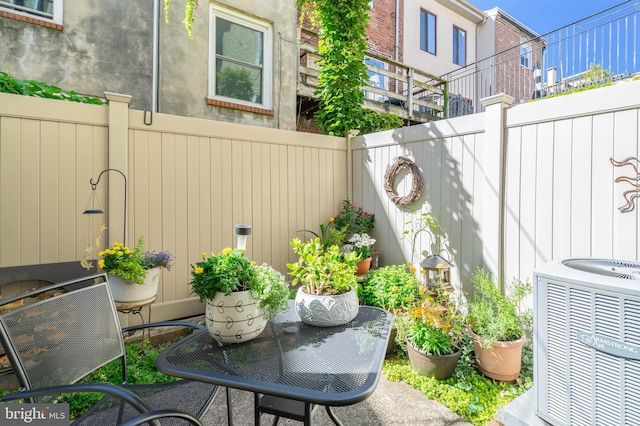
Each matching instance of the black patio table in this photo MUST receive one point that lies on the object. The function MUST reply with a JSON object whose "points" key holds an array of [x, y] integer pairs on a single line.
{"points": [[290, 367]]}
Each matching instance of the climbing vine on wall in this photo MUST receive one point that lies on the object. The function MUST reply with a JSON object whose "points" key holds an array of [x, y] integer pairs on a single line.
{"points": [[342, 43], [188, 13]]}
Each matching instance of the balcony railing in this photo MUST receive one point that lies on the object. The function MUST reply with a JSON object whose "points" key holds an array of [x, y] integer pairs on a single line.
{"points": [[597, 49], [414, 95]]}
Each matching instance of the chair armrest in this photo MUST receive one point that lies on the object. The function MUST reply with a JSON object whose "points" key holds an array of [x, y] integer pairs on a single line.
{"points": [[113, 390], [164, 324], [159, 414]]}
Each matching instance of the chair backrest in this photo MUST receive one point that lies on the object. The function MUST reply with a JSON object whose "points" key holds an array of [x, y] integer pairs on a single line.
{"points": [[58, 334]]}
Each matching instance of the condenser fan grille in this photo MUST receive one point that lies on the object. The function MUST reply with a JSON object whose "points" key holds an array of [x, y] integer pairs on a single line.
{"points": [[612, 268]]}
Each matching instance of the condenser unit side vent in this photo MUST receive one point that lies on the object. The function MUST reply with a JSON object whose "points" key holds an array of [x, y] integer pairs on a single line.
{"points": [[587, 342]]}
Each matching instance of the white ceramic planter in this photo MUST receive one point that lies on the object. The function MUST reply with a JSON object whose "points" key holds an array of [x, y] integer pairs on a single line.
{"points": [[327, 311], [235, 317], [126, 291]]}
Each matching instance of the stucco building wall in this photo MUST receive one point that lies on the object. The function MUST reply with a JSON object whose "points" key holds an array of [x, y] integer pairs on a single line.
{"points": [[108, 46], [92, 54]]}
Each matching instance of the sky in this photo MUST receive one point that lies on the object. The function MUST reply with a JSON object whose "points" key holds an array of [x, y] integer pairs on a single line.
{"points": [[543, 16]]}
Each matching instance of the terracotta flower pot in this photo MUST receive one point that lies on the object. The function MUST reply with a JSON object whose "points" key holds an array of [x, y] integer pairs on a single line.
{"points": [[439, 367], [363, 266], [502, 361]]}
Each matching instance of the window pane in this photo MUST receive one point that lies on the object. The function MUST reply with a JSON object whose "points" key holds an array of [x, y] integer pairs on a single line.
{"points": [[423, 30], [459, 46], [427, 32], [431, 24], [238, 82], [237, 42], [45, 6]]}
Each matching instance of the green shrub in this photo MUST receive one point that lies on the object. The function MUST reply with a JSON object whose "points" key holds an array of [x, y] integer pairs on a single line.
{"points": [[390, 287]]}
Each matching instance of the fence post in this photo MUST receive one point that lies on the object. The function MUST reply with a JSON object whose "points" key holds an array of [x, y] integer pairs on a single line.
{"points": [[118, 159], [494, 176], [410, 94]]}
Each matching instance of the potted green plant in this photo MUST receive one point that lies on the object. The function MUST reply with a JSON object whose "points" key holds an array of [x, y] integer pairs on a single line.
{"points": [[497, 327], [432, 330], [362, 244], [392, 288], [240, 295], [326, 296], [133, 274]]}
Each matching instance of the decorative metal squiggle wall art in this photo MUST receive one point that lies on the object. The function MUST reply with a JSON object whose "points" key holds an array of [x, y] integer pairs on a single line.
{"points": [[630, 195]]}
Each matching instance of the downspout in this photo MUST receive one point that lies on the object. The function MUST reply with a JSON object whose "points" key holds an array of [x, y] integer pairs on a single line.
{"points": [[155, 57], [397, 46]]}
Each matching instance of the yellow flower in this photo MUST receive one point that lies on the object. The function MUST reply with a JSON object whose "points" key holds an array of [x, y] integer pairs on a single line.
{"points": [[253, 262], [446, 325], [421, 292], [408, 299], [120, 253], [101, 253], [439, 266], [331, 219], [198, 270], [394, 288], [227, 250], [101, 264], [412, 270], [204, 255], [408, 263], [127, 251]]}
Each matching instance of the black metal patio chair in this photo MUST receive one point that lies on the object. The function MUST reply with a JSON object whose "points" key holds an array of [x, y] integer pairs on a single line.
{"points": [[56, 335]]}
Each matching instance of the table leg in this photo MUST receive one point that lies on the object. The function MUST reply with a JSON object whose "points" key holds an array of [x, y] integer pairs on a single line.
{"points": [[333, 416], [229, 412]]}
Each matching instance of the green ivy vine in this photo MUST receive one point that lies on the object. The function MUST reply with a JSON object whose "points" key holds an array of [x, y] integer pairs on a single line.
{"points": [[188, 14], [10, 84], [341, 44]]}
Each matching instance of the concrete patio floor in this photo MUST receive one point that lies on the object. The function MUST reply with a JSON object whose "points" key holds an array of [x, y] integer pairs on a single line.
{"points": [[392, 404]]}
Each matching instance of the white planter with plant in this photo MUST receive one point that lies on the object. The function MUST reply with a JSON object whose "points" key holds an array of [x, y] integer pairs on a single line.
{"points": [[133, 274], [327, 296], [240, 295]]}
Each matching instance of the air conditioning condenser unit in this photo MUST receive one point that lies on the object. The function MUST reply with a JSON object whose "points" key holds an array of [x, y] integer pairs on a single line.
{"points": [[587, 342]]}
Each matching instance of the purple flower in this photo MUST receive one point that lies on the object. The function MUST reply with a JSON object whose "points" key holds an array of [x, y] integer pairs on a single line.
{"points": [[154, 259]]}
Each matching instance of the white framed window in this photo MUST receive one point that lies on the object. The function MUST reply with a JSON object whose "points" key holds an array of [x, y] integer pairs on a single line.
{"points": [[427, 31], [459, 46], [48, 10], [240, 58], [525, 56]]}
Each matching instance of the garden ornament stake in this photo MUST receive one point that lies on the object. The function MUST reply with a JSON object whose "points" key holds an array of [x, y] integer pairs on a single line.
{"points": [[242, 231], [93, 210]]}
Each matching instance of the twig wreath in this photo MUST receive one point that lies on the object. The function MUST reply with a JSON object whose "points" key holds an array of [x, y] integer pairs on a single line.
{"points": [[416, 184]]}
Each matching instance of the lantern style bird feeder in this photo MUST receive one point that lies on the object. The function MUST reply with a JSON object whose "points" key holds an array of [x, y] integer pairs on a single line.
{"points": [[436, 269]]}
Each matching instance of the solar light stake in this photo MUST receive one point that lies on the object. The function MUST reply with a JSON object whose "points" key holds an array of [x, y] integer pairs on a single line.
{"points": [[242, 231]]}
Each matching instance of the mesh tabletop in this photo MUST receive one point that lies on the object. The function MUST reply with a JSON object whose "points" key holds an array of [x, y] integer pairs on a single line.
{"points": [[328, 366]]}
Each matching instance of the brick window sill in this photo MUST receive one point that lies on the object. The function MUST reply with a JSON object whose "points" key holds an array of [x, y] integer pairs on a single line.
{"points": [[232, 105], [31, 20]]}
